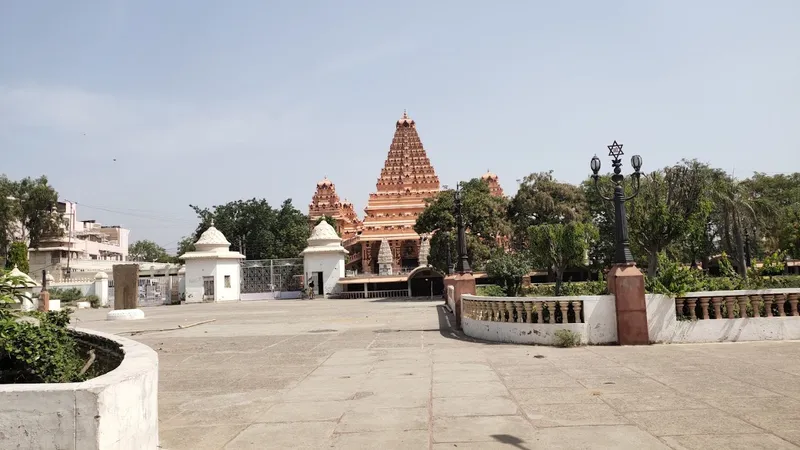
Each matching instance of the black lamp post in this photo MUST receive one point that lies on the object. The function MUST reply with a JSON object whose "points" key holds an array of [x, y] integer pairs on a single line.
{"points": [[747, 255], [449, 257], [463, 262], [622, 253]]}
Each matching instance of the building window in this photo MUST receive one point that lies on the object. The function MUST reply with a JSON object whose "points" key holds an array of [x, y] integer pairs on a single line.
{"points": [[227, 281]]}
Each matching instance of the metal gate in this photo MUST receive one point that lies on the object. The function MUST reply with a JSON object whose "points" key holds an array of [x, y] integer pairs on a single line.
{"points": [[153, 291], [268, 279]]}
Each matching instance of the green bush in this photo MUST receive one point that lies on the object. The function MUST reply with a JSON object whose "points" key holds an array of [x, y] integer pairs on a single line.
{"points": [[66, 295], [42, 352], [18, 256], [490, 290], [569, 288], [93, 300], [567, 338]]}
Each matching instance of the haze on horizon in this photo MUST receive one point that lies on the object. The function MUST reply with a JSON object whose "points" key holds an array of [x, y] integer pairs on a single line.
{"points": [[136, 109]]}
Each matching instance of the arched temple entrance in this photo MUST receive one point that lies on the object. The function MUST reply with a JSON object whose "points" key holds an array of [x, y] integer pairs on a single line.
{"points": [[426, 282]]}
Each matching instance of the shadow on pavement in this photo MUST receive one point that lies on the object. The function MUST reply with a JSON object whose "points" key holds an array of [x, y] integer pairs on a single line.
{"points": [[447, 328]]}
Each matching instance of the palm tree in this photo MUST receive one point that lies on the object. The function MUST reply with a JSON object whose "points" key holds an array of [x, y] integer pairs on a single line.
{"points": [[740, 211]]}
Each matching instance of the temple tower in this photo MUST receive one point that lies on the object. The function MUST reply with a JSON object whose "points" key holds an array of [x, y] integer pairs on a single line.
{"points": [[406, 181], [494, 183], [325, 202]]}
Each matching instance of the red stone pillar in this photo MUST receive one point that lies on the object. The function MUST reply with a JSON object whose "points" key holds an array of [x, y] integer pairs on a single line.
{"points": [[626, 282], [463, 283], [44, 301]]}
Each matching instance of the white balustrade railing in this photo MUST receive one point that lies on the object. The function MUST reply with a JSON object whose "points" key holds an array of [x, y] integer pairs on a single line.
{"points": [[541, 310], [738, 304]]}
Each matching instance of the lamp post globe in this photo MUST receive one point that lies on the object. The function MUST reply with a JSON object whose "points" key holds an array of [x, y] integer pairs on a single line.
{"points": [[636, 162], [595, 164]]}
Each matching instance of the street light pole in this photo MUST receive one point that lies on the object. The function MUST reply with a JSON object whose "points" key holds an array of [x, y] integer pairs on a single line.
{"points": [[463, 260], [449, 256], [622, 251]]}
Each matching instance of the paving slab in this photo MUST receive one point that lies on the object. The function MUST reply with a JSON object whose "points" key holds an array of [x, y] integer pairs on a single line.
{"points": [[394, 375]]}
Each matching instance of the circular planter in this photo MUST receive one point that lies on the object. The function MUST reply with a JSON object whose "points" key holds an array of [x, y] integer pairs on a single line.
{"points": [[117, 410]]}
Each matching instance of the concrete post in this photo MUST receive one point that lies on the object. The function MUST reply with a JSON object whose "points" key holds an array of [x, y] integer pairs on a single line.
{"points": [[463, 283], [101, 288]]}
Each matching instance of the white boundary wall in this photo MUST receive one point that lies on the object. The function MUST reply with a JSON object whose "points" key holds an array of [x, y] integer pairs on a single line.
{"points": [[664, 326], [599, 327], [117, 410]]}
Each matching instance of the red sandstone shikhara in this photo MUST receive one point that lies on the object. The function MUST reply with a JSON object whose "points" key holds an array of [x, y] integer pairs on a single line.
{"points": [[406, 181]]}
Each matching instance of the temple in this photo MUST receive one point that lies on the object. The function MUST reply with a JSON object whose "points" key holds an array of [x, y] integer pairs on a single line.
{"points": [[326, 203], [494, 183], [385, 244]]}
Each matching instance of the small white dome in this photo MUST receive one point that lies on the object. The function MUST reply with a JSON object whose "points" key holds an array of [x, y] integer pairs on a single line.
{"points": [[27, 281], [323, 232], [101, 276], [49, 278], [212, 236], [182, 270]]}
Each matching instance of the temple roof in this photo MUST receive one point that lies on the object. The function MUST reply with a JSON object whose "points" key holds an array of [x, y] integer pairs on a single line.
{"points": [[325, 182], [323, 232], [213, 237], [489, 175], [406, 121], [25, 279], [324, 240], [494, 183]]}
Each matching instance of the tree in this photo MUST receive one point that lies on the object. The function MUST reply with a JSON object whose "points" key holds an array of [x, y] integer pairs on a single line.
{"points": [[560, 246], [663, 212], [256, 229], [186, 244], [18, 256], [484, 218], [507, 269], [148, 251], [27, 211], [543, 200]]}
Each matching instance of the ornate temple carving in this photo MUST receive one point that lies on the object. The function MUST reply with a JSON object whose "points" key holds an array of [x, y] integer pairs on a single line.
{"points": [[424, 250], [385, 258]]}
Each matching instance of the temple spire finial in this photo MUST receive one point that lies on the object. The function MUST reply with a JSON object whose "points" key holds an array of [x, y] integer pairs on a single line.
{"points": [[405, 113]]}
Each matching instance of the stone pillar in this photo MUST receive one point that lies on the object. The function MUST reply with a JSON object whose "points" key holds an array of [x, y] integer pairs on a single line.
{"points": [[126, 293], [626, 282], [101, 288], [463, 283]]}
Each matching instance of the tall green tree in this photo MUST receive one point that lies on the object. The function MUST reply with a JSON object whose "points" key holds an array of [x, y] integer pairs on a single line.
{"points": [[663, 212], [27, 211], [541, 199], [148, 251], [507, 269], [256, 229], [560, 246], [484, 218]]}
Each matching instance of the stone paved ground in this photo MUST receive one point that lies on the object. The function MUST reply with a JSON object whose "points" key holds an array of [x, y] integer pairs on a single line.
{"points": [[361, 374]]}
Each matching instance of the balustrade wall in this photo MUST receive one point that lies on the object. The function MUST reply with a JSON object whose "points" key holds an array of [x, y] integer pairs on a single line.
{"points": [[534, 320], [725, 316]]}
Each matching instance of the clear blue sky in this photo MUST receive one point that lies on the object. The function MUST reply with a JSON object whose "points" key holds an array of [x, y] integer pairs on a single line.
{"points": [[205, 102]]}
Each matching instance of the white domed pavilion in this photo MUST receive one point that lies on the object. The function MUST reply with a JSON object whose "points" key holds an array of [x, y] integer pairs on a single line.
{"points": [[323, 259], [212, 270]]}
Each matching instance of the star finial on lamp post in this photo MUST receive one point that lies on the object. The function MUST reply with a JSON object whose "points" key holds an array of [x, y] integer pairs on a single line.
{"points": [[615, 150]]}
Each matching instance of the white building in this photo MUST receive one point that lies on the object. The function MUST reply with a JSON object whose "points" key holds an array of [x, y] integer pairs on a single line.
{"points": [[323, 259], [212, 271], [84, 246]]}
